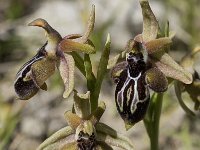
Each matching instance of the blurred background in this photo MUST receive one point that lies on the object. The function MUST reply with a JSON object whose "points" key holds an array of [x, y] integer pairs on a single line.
{"points": [[27, 123]]}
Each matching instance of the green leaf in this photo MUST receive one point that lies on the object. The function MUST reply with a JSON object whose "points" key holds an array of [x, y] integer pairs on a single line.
{"points": [[79, 62], [102, 69]]}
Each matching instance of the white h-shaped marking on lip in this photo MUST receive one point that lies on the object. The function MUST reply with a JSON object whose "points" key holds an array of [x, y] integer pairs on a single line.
{"points": [[135, 98], [135, 91]]}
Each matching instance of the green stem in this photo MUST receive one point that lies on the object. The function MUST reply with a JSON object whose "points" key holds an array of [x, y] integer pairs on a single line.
{"points": [[152, 120], [85, 67], [79, 62], [91, 80]]}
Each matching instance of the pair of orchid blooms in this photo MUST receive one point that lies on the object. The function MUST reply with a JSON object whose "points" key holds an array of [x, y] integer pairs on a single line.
{"points": [[56, 52]]}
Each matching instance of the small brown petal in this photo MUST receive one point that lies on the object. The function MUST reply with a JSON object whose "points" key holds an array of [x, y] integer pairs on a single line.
{"points": [[156, 80], [72, 119], [157, 44]]}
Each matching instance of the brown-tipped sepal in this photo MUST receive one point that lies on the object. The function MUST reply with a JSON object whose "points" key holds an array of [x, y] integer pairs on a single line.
{"points": [[39, 22], [150, 23]]}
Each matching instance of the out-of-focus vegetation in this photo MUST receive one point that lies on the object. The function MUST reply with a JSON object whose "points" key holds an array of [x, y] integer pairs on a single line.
{"points": [[121, 20]]}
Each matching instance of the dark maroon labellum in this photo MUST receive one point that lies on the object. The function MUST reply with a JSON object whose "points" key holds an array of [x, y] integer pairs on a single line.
{"points": [[25, 89], [132, 94]]}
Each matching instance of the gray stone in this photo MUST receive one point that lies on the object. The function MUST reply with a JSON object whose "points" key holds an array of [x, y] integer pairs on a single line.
{"points": [[33, 127]]}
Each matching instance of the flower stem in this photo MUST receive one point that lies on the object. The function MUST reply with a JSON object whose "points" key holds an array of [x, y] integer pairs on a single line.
{"points": [[152, 120]]}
